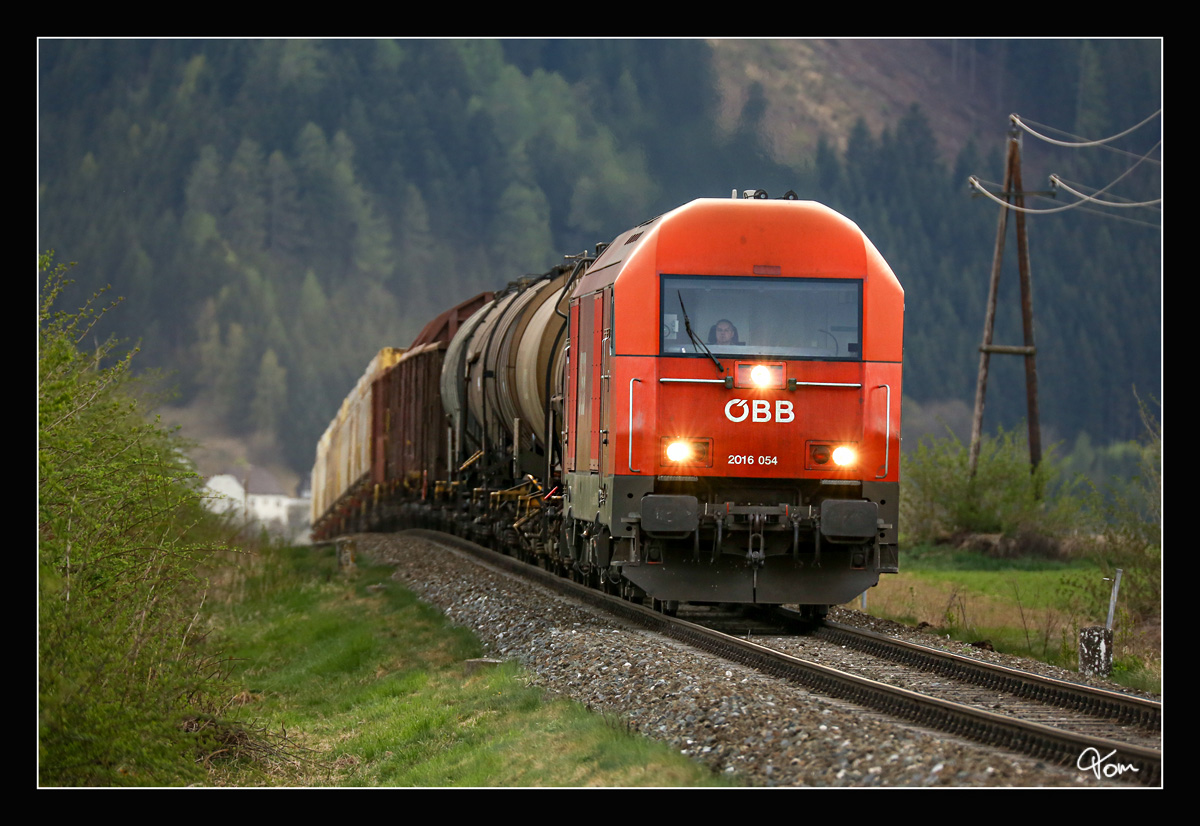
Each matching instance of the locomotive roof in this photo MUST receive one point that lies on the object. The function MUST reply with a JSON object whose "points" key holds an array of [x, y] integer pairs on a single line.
{"points": [[840, 248]]}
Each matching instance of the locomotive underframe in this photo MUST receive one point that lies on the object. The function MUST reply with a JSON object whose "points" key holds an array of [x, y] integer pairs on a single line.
{"points": [[733, 540]]}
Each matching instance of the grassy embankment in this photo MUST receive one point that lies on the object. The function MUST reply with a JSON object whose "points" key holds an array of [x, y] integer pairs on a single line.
{"points": [[373, 689]]}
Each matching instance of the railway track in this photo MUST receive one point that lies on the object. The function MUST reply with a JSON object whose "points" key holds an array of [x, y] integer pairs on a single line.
{"points": [[1112, 735], [1088, 710]]}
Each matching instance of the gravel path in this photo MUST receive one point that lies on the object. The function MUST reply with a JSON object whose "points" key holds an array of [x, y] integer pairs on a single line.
{"points": [[732, 719]]}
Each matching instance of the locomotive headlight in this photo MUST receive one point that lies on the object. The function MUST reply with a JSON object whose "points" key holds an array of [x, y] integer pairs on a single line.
{"points": [[831, 456], [688, 451], [679, 451], [760, 375], [843, 456]]}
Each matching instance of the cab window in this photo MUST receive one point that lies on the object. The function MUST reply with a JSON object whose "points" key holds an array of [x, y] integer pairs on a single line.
{"points": [[791, 318]]}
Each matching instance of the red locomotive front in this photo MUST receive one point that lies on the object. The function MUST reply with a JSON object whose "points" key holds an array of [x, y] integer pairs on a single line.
{"points": [[732, 416]]}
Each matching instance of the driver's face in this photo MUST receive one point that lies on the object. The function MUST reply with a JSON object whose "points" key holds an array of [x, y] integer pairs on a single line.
{"points": [[724, 333]]}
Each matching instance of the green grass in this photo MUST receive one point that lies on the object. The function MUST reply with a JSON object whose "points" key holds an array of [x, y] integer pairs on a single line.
{"points": [[943, 558], [371, 688]]}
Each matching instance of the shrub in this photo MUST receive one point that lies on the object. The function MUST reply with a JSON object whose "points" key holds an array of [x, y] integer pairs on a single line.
{"points": [[939, 499], [119, 525]]}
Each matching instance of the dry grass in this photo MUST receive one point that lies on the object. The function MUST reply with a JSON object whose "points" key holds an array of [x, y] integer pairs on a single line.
{"points": [[1013, 610], [934, 602]]}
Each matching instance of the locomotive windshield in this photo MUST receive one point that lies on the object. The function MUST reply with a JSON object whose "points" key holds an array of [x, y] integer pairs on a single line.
{"points": [[751, 317]]}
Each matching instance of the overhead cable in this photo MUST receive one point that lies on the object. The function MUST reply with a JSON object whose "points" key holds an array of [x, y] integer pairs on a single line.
{"points": [[975, 183], [1058, 182], [1016, 119]]}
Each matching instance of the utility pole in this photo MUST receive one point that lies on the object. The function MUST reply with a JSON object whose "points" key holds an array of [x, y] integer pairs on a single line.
{"points": [[1013, 194]]}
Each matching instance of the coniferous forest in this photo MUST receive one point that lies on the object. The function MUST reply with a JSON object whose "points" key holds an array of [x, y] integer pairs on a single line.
{"points": [[273, 211]]}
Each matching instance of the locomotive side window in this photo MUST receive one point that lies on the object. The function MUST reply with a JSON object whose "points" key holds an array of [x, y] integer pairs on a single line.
{"points": [[798, 318]]}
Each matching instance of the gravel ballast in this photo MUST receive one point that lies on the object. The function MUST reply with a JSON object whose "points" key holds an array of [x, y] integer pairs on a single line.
{"points": [[733, 719]]}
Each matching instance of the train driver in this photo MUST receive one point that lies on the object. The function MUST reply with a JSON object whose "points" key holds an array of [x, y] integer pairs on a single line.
{"points": [[723, 332]]}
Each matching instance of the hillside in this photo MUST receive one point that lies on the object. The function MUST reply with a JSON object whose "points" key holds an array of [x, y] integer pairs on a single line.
{"points": [[823, 87]]}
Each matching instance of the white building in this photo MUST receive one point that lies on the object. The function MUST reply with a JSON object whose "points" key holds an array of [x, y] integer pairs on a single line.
{"points": [[255, 496]]}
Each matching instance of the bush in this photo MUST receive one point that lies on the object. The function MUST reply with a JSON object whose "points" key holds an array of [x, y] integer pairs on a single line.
{"points": [[1128, 515], [119, 541], [939, 499]]}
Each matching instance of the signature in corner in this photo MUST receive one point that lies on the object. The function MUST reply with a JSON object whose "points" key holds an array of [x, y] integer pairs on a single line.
{"points": [[1099, 766]]}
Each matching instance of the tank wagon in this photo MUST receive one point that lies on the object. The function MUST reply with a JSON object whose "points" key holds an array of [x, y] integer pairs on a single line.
{"points": [[706, 410]]}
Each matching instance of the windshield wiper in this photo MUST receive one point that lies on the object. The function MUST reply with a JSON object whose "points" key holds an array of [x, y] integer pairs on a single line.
{"points": [[687, 325]]}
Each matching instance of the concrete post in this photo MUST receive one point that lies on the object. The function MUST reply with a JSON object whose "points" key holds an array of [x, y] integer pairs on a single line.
{"points": [[1095, 651]]}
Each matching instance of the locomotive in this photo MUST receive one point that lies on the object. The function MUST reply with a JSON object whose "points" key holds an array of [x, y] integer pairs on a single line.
{"points": [[707, 409]]}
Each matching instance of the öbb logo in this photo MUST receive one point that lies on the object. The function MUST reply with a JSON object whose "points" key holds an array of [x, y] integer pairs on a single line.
{"points": [[759, 410]]}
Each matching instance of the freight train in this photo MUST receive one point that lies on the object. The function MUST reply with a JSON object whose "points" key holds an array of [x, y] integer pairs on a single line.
{"points": [[706, 409]]}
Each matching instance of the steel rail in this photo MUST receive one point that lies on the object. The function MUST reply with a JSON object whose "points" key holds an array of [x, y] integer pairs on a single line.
{"points": [[1124, 708]]}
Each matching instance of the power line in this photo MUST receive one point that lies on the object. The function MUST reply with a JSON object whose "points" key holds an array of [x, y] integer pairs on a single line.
{"points": [[1059, 182], [1082, 142], [1084, 199], [1081, 207]]}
